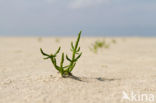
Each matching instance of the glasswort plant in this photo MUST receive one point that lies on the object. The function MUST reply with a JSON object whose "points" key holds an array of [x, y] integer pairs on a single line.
{"points": [[98, 44], [65, 70]]}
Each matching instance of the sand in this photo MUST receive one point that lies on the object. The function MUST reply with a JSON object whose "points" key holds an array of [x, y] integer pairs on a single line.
{"points": [[128, 65]]}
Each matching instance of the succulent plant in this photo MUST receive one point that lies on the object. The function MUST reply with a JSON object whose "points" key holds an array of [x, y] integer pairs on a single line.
{"points": [[65, 70], [98, 44]]}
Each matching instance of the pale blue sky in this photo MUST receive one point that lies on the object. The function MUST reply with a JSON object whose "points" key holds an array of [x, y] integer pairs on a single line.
{"points": [[68, 17]]}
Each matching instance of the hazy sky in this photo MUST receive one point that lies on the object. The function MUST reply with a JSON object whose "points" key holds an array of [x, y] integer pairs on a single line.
{"points": [[68, 17]]}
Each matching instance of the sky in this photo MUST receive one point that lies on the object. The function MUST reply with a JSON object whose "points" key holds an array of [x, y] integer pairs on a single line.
{"points": [[68, 17]]}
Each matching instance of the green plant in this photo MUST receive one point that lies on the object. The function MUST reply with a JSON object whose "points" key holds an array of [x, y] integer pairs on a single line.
{"points": [[57, 40], [98, 44], [65, 70]]}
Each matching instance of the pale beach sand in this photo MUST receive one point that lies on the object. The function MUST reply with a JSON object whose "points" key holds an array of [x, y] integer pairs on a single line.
{"points": [[129, 65]]}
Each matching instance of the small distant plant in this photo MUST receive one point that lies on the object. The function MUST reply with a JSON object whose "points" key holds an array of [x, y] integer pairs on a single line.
{"points": [[113, 41], [57, 40], [65, 70], [98, 44], [40, 39]]}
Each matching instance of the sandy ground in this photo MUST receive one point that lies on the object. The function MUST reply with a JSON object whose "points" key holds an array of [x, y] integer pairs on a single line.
{"points": [[129, 65]]}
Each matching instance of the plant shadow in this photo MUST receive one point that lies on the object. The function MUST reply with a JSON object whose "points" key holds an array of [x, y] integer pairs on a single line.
{"points": [[87, 79], [102, 79], [75, 78]]}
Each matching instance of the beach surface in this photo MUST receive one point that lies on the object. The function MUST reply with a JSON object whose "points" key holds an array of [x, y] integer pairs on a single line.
{"points": [[129, 65]]}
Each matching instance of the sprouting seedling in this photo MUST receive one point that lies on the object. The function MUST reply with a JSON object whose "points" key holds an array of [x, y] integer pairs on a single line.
{"points": [[57, 40], [98, 44], [65, 70]]}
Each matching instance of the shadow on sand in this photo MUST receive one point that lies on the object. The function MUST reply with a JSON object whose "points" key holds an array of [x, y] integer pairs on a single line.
{"points": [[89, 79]]}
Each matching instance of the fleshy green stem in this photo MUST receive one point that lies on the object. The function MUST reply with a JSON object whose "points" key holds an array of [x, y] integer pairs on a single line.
{"points": [[65, 70]]}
